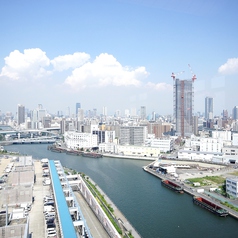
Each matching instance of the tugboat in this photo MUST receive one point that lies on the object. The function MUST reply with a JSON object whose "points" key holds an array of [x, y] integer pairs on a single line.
{"points": [[210, 206], [171, 185]]}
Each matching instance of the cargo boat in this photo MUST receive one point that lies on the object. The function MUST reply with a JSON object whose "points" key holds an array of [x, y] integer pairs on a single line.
{"points": [[74, 152], [172, 185], [210, 206], [92, 155]]}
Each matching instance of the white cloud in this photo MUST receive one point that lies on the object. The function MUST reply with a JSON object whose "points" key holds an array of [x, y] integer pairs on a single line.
{"points": [[65, 62], [230, 67], [160, 86], [29, 64], [105, 70]]}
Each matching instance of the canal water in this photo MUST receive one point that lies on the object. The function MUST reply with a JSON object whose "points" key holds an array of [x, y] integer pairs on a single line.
{"points": [[153, 210]]}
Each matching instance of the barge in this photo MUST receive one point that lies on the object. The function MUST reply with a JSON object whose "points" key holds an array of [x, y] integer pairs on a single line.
{"points": [[171, 185], [210, 206], [74, 152], [92, 155]]}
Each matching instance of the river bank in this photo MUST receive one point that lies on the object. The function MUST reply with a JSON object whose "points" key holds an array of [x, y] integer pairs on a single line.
{"points": [[129, 157], [152, 209], [189, 190]]}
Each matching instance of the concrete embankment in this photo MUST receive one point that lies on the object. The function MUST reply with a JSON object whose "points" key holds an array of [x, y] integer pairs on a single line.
{"points": [[130, 157], [125, 224]]}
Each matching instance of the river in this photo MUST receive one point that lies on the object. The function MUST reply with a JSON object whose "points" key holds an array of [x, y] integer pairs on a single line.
{"points": [[154, 211]]}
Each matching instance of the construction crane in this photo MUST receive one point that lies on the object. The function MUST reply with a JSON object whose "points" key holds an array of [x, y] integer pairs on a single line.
{"points": [[176, 74], [194, 77]]}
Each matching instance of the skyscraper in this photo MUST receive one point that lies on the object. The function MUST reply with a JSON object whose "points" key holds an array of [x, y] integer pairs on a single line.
{"points": [[143, 112], [183, 106], [20, 114], [78, 105], [104, 111], [208, 108], [235, 113]]}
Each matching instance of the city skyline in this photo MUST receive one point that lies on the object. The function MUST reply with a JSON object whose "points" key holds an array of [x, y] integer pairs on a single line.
{"points": [[118, 55]]}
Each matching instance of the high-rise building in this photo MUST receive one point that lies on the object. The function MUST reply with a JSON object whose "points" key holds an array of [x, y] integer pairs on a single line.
{"points": [[133, 112], [78, 105], [133, 135], [195, 125], [235, 113], [127, 113], [208, 108], [20, 114], [104, 111], [183, 106], [143, 112], [34, 119], [80, 115], [224, 114]]}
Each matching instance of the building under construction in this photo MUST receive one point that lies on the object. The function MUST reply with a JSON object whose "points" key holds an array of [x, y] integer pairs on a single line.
{"points": [[183, 105]]}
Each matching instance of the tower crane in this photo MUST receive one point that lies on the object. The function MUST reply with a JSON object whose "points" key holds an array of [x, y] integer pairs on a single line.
{"points": [[176, 74], [194, 77]]}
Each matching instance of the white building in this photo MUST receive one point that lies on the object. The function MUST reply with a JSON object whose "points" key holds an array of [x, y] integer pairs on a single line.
{"points": [[164, 144], [108, 148], [193, 142], [143, 151], [200, 156], [211, 144], [80, 115], [232, 186], [225, 135], [231, 150], [76, 140], [205, 144], [235, 139]]}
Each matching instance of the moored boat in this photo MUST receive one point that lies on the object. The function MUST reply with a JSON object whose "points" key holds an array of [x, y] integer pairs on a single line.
{"points": [[92, 155], [171, 185], [74, 152], [210, 206]]}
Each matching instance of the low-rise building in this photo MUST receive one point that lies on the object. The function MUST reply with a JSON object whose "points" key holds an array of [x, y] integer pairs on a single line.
{"points": [[232, 186], [76, 140], [200, 156], [108, 147], [231, 150], [143, 151], [164, 144]]}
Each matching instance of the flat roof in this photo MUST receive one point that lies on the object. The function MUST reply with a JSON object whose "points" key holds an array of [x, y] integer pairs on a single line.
{"points": [[66, 222]]}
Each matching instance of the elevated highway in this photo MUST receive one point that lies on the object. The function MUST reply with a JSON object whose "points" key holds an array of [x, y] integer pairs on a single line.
{"points": [[39, 140]]}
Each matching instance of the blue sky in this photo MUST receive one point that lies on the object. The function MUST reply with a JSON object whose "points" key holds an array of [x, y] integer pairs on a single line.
{"points": [[117, 53]]}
